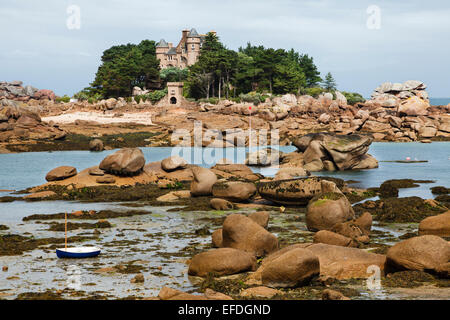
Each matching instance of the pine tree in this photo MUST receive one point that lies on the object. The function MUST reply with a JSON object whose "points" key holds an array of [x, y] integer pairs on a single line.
{"points": [[329, 83]]}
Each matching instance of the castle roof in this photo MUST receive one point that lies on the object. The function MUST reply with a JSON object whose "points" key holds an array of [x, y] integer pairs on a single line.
{"points": [[162, 44], [193, 33], [171, 51]]}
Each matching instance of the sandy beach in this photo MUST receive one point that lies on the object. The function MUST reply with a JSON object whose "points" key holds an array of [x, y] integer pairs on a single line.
{"points": [[144, 118]]}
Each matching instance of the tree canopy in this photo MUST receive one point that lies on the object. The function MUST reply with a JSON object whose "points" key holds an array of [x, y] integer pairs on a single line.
{"points": [[126, 66], [219, 71]]}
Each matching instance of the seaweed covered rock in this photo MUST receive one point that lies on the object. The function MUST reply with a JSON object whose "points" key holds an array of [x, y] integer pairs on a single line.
{"points": [[241, 232], [423, 253], [96, 145], [221, 204], [125, 162], [292, 269], [234, 190], [61, 173], [437, 225], [296, 191], [326, 210], [203, 181], [409, 209], [220, 262]]}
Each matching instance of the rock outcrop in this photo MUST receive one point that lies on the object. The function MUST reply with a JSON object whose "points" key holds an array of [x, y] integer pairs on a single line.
{"points": [[20, 122], [295, 191], [15, 91], [423, 253], [326, 210], [235, 191], [241, 232], [324, 151], [203, 182], [125, 162], [223, 261], [61, 173], [291, 269]]}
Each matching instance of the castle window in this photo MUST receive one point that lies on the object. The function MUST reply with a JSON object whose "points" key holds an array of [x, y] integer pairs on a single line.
{"points": [[193, 47]]}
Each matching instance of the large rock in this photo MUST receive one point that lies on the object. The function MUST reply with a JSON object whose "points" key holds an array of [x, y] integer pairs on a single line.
{"points": [[335, 261], [437, 225], [413, 106], [345, 151], [203, 181], [423, 253], [261, 218], [61, 173], [221, 204], [286, 173], [125, 162], [239, 171], [294, 191], [357, 229], [291, 269], [326, 210], [173, 163], [234, 190], [241, 232], [96, 145], [345, 263], [223, 261], [329, 237]]}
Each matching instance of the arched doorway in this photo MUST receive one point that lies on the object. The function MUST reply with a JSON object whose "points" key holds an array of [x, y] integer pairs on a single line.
{"points": [[173, 100]]}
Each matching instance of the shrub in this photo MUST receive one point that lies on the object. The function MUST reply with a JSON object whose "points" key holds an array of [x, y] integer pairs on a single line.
{"points": [[253, 97], [210, 100], [65, 98], [353, 97], [314, 92], [156, 95]]}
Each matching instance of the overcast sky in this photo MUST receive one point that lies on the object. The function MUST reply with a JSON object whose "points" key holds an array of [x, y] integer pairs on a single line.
{"points": [[412, 42]]}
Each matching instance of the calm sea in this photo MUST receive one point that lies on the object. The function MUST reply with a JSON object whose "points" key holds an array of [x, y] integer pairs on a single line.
{"points": [[22, 170], [439, 101]]}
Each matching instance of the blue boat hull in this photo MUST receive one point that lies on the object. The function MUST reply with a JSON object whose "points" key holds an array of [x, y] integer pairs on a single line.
{"points": [[73, 255]]}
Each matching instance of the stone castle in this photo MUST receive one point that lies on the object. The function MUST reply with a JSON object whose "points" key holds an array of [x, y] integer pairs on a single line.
{"points": [[184, 54]]}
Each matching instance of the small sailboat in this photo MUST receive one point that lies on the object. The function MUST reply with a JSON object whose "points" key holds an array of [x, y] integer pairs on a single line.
{"points": [[76, 252]]}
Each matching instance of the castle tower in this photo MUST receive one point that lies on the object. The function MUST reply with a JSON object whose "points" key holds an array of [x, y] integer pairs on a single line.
{"points": [[161, 48], [193, 46]]}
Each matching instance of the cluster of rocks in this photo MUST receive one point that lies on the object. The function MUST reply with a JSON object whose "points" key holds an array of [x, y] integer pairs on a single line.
{"points": [[339, 239], [19, 122], [15, 91], [390, 95]]}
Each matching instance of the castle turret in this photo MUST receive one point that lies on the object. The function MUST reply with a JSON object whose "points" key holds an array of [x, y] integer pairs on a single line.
{"points": [[193, 46], [161, 48]]}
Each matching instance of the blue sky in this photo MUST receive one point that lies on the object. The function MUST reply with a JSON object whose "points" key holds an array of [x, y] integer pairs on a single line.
{"points": [[411, 43]]}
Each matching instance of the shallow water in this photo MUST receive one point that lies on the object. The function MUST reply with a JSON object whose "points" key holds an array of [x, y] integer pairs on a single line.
{"points": [[20, 171], [162, 241]]}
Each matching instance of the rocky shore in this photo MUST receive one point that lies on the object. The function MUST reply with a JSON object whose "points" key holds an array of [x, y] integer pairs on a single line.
{"points": [[396, 112], [305, 237]]}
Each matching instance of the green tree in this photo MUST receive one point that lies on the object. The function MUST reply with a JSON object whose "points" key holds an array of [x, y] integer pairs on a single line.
{"points": [[126, 66], [312, 75], [173, 74], [329, 83]]}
